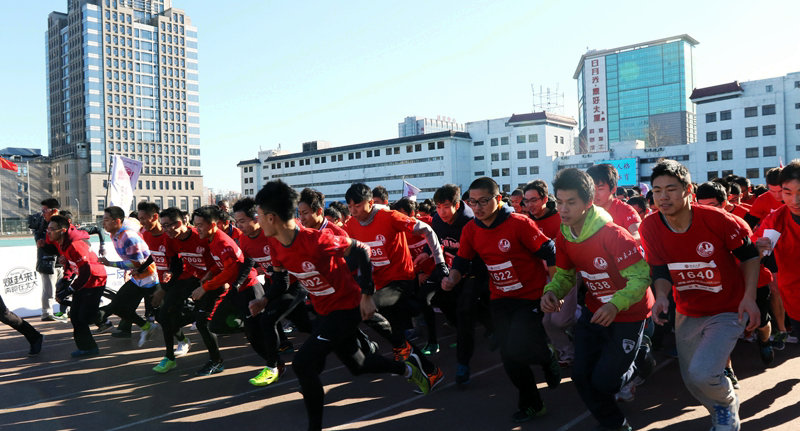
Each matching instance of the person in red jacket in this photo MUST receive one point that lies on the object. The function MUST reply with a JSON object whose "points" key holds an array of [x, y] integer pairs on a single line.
{"points": [[605, 177], [513, 249], [88, 285]]}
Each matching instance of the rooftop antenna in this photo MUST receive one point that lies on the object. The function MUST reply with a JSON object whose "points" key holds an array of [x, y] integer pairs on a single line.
{"points": [[547, 99]]}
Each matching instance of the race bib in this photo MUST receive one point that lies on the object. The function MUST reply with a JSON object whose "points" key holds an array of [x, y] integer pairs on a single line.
{"points": [[696, 276], [504, 277], [378, 254], [314, 283], [599, 285]]}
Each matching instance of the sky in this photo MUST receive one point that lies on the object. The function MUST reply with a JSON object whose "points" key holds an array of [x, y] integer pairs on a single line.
{"points": [[283, 73]]}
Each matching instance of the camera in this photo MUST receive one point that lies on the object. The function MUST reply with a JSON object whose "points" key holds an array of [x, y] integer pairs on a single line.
{"points": [[35, 221]]}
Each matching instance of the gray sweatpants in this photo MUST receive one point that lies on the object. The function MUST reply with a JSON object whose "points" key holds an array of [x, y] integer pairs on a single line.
{"points": [[49, 290], [704, 345], [556, 325]]}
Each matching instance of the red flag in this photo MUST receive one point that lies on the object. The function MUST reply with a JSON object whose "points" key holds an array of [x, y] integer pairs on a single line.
{"points": [[8, 164]]}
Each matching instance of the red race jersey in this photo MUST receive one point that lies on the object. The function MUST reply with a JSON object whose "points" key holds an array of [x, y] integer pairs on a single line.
{"points": [[598, 261], [228, 258], [623, 214], [385, 236], [785, 250], [508, 251], [78, 254], [740, 210], [763, 205], [159, 245], [416, 245], [316, 258], [258, 249], [193, 251], [549, 225], [705, 274], [764, 276], [335, 230]]}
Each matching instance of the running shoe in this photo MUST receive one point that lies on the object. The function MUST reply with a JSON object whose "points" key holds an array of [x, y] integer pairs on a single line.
{"points": [[434, 379], [211, 367], [430, 349], [104, 327], [528, 414], [116, 333], [85, 353], [36, 346], [552, 372], [766, 352], [780, 339], [165, 365], [628, 391], [726, 418], [148, 330], [267, 376], [183, 347], [462, 375], [418, 377], [402, 353], [732, 377]]}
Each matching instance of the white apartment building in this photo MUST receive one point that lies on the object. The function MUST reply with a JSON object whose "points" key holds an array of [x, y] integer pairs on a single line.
{"points": [[412, 126], [250, 178], [747, 128]]}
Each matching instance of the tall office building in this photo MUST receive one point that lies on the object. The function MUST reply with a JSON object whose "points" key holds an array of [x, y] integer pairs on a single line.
{"points": [[122, 79], [637, 92]]}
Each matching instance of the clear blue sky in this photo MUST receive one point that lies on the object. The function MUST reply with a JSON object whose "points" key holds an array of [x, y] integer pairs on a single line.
{"points": [[347, 72]]}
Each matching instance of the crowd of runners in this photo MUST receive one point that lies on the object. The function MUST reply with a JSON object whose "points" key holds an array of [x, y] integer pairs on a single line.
{"points": [[587, 276]]}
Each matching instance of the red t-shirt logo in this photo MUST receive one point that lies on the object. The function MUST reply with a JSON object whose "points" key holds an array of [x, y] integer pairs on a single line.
{"points": [[308, 266], [705, 249], [600, 263], [504, 245]]}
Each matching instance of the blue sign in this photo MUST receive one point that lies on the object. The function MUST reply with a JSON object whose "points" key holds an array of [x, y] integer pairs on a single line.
{"points": [[628, 170]]}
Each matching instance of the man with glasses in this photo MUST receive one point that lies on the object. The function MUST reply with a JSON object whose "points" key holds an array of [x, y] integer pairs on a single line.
{"points": [[517, 255]]}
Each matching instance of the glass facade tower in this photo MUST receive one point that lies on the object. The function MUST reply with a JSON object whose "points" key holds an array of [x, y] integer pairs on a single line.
{"points": [[637, 92]]}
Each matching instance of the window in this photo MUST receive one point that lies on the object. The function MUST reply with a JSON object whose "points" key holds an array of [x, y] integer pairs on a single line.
{"points": [[503, 156], [358, 155], [727, 172], [478, 157], [725, 115], [797, 84], [555, 139], [751, 153], [751, 173], [351, 156], [711, 136], [751, 111], [534, 170], [533, 138], [495, 157], [711, 175], [495, 172], [768, 130], [397, 150], [369, 153], [521, 139], [727, 155], [522, 171], [521, 154], [477, 143], [409, 148], [770, 151], [768, 110], [418, 147], [504, 172], [494, 142], [711, 117], [726, 134], [711, 156], [440, 145], [504, 140], [480, 173], [797, 105], [431, 146], [533, 154], [101, 204], [750, 132], [388, 151]]}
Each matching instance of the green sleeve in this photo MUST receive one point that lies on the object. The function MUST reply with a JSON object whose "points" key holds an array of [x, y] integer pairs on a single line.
{"points": [[562, 282], [638, 276]]}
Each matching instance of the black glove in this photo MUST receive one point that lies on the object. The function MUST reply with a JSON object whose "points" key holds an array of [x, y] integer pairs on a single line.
{"points": [[63, 290], [441, 271]]}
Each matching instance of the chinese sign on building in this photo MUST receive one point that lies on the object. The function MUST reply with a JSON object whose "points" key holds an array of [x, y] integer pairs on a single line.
{"points": [[594, 75]]}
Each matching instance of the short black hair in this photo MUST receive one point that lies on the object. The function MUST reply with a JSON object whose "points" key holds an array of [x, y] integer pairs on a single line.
{"points": [[67, 214], [735, 189], [743, 182], [313, 198], [575, 179], [405, 205], [724, 184], [517, 192], [759, 190], [60, 221], [333, 213], [115, 213], [539, 186], [381, 193], [774, 177], [148, 207], [222, 201], [638, 201], [621, 191], [485, 183], [209, 213], [631, 193], [604, 173], [711, 190], [51, 203], [790, 172], [344, 212], [649, 197], [357, 193], [278, 198], [425, 206], [173, 213], [673, 169], [246, 206], [447, 192]]}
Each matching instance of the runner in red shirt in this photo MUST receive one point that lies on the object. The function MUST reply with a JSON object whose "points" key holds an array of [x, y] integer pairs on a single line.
{"points": [[226, 282], [696, 248], [605, 178], [158, 242], [738, 208], [88, 286], [618, 298], [256, 246], [311, 212], [767, 202], [516, 200], [513, 249], [535, 204], [393, 269], [227, 225], [189, 261], [779, 235], [317, 259]]}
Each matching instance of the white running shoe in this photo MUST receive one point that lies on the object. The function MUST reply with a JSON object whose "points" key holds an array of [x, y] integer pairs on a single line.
{"points": [[183, 347], [147, 334]]}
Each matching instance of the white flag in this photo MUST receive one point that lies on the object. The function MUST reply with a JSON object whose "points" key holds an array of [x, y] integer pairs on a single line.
{"points": [[124, 177], [410, 191]]}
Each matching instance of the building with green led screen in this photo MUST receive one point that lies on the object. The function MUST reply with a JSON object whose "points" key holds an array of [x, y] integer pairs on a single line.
{"points": [[637, 91]]}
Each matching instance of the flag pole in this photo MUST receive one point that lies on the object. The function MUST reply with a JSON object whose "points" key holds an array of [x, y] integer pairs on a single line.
{"points": [[28, 173]]}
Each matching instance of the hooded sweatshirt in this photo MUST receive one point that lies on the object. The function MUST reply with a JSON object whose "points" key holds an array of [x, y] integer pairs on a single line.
{"points": [[610, 263]]}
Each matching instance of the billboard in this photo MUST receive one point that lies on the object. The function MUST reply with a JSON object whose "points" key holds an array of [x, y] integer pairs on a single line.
{"points": [[594, 86], [628, 170]]}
